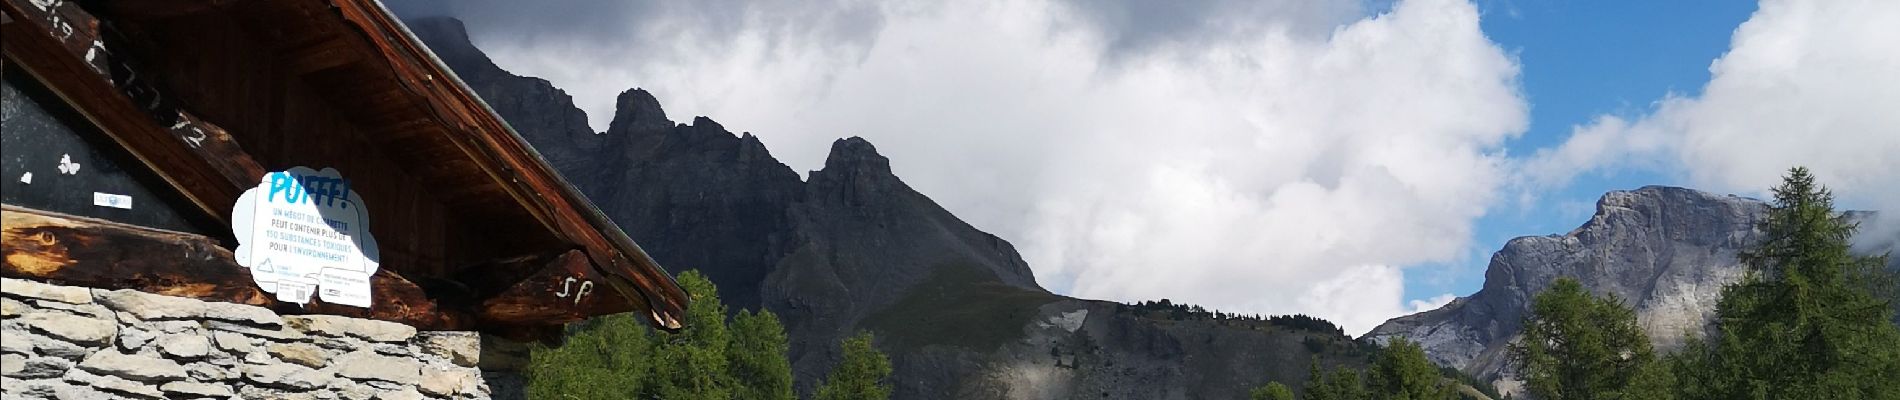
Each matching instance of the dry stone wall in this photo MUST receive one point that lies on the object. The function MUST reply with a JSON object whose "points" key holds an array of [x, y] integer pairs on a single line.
{"points": [[63, 342]]}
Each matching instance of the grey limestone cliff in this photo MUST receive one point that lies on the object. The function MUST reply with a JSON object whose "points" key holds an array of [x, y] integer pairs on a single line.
{"points": [[1667, 252]]}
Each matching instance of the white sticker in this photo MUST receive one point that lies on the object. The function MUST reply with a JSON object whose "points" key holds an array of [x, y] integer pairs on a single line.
{"points": [[67, 166], [112, 200], [26, 178], [304, 232]]}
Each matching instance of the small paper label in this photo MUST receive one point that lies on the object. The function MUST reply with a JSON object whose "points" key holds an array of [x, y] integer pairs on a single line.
{"points": [[112, 200]]}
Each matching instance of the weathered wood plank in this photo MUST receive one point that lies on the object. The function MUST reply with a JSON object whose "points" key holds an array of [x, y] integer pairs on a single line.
{"points": [[103, 254], [558, 290]]}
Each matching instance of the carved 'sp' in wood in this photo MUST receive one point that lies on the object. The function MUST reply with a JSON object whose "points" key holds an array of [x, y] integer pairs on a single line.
{"points": [[562, 289]]}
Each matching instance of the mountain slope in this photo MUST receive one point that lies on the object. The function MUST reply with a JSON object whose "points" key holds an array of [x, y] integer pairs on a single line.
{"points": [[853, 247], [1667, 252]]}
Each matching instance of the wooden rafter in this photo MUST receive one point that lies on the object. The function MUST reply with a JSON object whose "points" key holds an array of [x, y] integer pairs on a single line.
{"points": [[66, 48]]}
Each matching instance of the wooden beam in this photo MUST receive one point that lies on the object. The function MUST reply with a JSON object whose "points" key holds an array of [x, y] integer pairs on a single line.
{"points": [[556, 290], [50, 246], [65, 47], [162, 9], [519, 298], [87, 252]]}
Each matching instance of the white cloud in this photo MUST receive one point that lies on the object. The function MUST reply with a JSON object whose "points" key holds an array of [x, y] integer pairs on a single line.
{"points": [[1813, 83], [1419, 306], [1280, 170]]}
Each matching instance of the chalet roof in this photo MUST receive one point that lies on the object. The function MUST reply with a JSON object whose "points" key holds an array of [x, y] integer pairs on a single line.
{"points": [[360, 61], [565, 210]]}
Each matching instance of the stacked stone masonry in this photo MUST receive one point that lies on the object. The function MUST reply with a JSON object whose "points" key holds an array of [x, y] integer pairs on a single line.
{"points": [[63, 342]]}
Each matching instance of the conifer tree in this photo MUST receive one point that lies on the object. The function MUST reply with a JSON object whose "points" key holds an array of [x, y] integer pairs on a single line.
{"points": [[862, 375], [1578, 346], [1808, 321], [757, 357], [617, 357], [692, 364], [605, 360], [1271, 391], [1340, 384], [1401, 372]]}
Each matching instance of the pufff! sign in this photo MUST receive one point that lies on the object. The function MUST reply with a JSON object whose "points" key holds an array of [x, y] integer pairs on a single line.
{"points": [[304, 232]]}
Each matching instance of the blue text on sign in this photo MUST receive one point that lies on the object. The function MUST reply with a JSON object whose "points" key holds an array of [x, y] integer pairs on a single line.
{"points": [[314, 189]]}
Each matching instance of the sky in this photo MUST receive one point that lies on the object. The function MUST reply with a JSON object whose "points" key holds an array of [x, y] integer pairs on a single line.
{"points": [[1354, 160]]}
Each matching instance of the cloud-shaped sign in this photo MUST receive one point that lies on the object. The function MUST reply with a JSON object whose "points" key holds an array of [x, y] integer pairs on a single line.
{"points": [[304, 232]]}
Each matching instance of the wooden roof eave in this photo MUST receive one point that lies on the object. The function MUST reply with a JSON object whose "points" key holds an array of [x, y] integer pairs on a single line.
{"points": [[523, 172], [201, 158]]}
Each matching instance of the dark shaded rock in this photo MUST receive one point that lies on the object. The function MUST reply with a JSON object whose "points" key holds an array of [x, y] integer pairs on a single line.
{"points": [[539, 112], [636, 112]]}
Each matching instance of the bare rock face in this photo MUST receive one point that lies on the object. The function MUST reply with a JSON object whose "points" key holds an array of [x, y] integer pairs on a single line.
{"points": [[538, 111], [1665, 251]]}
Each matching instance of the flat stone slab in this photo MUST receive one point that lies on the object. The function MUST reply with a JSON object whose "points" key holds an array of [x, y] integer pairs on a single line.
{"points": [[10, 308], [73, 328], [184, 346], [284, 375], [16, 343], [234, 342], [242, 313], [134, 367], [301, 354], [368, 365], [36, 290], [275, 333], [126, 387], [147, 306], [196, 389], [449, 381], [49, 346], [337, 326], [407, 393], [21, 367], [462, 348]]}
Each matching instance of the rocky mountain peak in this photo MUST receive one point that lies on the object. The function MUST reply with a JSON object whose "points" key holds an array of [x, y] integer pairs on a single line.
{"points": [[856, 155], [1665, 251], [448, 38], [636, 110], [541, 113]]}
